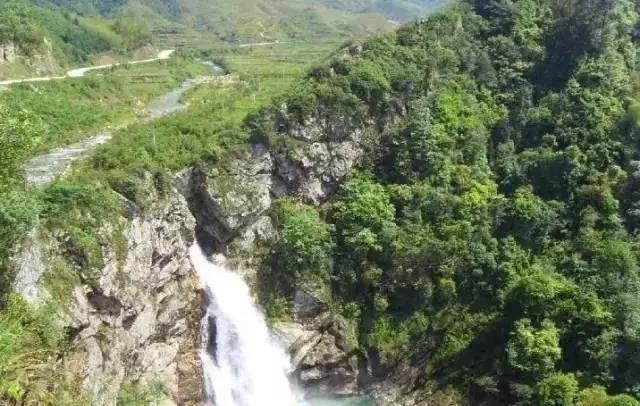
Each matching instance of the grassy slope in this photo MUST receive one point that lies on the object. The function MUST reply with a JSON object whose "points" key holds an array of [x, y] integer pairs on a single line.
{"points": [[71, 109], [180, 23], [211, 127], [51, 39]]}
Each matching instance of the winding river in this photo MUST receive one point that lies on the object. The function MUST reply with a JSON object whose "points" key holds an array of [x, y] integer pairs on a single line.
{"points": [[44, 169]]}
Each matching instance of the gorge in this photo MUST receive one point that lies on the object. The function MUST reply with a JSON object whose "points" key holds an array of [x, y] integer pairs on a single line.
{"points": [[447, 214]]}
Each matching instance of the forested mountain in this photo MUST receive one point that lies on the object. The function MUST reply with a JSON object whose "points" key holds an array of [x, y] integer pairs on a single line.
{"points": [[490, 237], [60, 35]]}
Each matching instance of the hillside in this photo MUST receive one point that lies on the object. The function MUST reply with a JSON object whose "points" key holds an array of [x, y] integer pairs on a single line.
{"points": [[37, 39], [473, 210], [258, 20]]}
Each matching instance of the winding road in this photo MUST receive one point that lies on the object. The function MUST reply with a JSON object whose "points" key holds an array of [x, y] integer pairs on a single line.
{"points": [[80, 72]]}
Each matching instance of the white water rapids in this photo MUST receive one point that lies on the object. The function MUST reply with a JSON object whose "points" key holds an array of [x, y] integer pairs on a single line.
{"points": [[242, 364]]}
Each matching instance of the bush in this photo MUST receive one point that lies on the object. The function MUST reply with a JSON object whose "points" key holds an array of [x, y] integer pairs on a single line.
{"points": [[305, 246], [18, 214], [28, 338], [136, 394], [557, 390]]}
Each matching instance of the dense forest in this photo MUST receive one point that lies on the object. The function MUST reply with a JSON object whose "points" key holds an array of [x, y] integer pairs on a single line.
{"points": [[491, 236]]}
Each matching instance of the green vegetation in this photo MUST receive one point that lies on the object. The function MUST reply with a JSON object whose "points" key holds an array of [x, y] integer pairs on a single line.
{"points": [[136, 164], [190, 23], [48, 38], [28, 340], [136, 394], [211, 129], [36, 118], [491, 237], [27, 25], [70, 109]]}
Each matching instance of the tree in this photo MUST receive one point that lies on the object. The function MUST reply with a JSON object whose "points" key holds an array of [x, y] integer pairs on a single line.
{"points": [[134, 32], [557, 390], [365, 216], [533, 351], [305, 244]]}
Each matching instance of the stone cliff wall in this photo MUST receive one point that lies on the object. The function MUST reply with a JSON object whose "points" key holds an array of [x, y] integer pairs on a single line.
{"points": [[38, 62], [137, 321]]}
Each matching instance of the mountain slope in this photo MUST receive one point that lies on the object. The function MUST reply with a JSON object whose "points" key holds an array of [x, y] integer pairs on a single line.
{"points": [[259, 20], [486, 245], [26, 25]]}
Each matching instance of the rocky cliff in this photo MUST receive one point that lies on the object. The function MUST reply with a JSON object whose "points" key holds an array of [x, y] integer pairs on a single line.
{"points": [[232, 203], [38, 62], [8, 53], [136, 321]]}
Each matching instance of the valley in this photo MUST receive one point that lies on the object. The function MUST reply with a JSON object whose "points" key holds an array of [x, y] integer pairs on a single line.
{"points": [[340, 202]]}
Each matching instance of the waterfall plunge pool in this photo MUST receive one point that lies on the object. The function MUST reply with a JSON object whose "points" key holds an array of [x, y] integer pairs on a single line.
{"points": [[242, 365]]}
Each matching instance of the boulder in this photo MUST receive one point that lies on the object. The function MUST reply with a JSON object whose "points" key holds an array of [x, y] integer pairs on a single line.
{"points": [[323, 362]]}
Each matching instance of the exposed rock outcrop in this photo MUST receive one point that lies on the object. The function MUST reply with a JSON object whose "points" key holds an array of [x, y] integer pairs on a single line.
{"points": [[40, 60], [231, 203], [137, 320], [323, 360], [29, 269], [229, 198], [8, 53]]}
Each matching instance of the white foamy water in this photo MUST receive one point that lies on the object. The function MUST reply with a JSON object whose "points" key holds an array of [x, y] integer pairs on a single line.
{"points": [[242, 364]]}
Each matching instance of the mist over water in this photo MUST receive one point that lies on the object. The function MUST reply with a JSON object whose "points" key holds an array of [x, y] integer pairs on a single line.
{"points": [[242, 364]]}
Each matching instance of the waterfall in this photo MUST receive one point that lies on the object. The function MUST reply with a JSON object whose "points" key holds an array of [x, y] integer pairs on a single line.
{"points": [[242, 364]]}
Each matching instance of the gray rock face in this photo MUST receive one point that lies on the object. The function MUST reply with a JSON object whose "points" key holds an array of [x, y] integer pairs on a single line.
{"points": [[231, 200], [137, 321], [309, 301], [324, 151], [29, 269], [226, 200], [8, 53], [312, 172], [324, 364]]}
